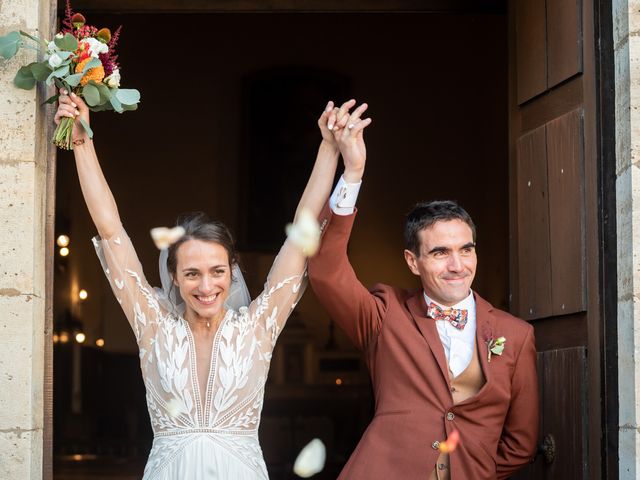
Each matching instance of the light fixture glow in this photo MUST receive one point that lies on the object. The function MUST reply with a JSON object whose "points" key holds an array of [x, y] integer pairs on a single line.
{"points": [[100, 342], [64, 337], [80, 337], [55, 338], [63, 241], [338, 381], [64, 251], [83, 294]]}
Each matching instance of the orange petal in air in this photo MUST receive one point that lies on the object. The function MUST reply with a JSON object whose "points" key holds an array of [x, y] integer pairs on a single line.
{"points": [[451, 443]]}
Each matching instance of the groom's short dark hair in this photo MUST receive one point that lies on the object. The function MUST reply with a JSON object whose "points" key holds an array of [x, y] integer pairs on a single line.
{"points": [[425, 214]]}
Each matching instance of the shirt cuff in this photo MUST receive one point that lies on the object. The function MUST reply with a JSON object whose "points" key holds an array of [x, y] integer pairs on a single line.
{"points": [[344, 196]]}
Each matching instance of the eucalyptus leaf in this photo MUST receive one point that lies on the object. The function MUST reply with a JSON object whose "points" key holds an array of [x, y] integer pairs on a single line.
{"points": [[74, 80], [24, 78], [31, 37], [64, 55], [129, 108], [67, 43], [9, 44], [61, 71], [115, 103], [91, 95], [52, 99], [497, 349], [105, 92], [40, 71], [128, 96], [58, 73], [93, 63], [86, 126]]}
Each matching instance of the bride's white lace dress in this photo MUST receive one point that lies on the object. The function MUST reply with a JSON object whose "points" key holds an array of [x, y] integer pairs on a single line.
{"points": [[203, 431]]}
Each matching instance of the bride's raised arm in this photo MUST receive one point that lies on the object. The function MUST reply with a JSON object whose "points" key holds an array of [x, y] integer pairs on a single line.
{"points": [[97, 194], [287, 278], [117, 255]]}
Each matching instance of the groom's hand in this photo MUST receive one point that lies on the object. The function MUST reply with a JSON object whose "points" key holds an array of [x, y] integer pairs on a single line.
{"points": [[351, 143]]}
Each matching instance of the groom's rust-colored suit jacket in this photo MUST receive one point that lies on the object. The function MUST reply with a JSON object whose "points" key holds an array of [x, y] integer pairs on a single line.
{"points": [[414, 407]]}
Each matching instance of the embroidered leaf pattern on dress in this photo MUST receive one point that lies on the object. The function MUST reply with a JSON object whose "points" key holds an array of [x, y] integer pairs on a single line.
{"points": [[241, 355]]}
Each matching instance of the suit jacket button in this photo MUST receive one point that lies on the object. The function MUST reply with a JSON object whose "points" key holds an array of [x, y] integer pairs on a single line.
{"points": [[450, 416], [435, 445]]}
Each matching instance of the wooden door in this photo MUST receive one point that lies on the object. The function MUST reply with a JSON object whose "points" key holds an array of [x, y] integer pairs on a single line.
{"points": [[554, 222]]}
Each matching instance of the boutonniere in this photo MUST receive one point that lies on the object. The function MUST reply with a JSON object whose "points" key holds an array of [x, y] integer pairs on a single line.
{"points": [[495, 347]]}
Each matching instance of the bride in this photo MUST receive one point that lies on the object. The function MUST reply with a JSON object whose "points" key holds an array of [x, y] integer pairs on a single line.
{"points": [[204, 362]]}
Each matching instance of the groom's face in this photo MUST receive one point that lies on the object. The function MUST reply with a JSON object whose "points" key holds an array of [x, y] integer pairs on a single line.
{"points": [[447, 261]]}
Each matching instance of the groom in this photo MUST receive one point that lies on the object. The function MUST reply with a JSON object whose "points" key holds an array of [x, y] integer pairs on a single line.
{"points": [[441, 359]]}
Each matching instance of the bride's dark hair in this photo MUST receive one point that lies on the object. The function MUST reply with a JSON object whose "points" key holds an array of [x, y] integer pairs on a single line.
{"points": [[198, 226]]}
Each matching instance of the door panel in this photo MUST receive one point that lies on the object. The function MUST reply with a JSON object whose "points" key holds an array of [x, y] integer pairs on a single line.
{"points": [[534, 255], [566, 200], [563, 390], [554, 228], [564, 382], [564, 40], [531, 47]]}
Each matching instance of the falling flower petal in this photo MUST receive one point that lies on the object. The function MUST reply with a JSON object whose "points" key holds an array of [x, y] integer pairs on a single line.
{"points": [[174, 407], [305, 233], [164, 237], [451, 443], [310, 459]]}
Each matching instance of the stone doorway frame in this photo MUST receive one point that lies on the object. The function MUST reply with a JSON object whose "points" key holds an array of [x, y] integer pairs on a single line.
{"points": [[29, 158]]}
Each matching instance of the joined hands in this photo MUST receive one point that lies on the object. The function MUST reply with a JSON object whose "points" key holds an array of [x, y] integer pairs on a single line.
{"points": [[344, 130]]}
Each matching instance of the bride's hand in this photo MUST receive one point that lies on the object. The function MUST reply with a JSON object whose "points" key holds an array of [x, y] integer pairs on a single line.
{"points": [[323, 123], [333, 120], [73, 107]]}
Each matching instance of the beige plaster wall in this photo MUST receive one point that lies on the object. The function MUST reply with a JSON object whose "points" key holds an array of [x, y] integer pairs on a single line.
{"points": [[626, 15], [23, 151]]}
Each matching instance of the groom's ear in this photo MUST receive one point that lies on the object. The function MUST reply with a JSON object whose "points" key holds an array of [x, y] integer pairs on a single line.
{"points": [[412, 261]]}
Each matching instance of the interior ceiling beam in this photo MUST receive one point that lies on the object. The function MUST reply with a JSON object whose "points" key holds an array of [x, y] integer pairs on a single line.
{"points": [[283, 6]]}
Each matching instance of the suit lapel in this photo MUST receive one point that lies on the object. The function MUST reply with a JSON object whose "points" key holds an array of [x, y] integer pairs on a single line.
{"points": [[427, 326], [484, 332]]}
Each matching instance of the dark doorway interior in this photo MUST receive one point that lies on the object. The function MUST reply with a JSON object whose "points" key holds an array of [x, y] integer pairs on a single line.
{"points": [[437, 89]]}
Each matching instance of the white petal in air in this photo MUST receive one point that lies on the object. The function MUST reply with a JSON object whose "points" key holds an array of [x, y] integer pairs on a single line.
{"points": [[174, 407], [305, 233], [164, 237], [310, 459]]}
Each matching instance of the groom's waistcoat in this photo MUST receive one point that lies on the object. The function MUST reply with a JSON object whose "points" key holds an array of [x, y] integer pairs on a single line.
{"points": [[493, 405], [464, 386]]}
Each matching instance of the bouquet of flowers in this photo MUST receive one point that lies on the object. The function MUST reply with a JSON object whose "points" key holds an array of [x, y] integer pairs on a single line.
{"points": [[81, 59]]}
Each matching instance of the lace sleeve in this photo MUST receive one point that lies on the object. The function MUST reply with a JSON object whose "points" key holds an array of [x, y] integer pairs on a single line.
{"points": [[283, 289], [138, 300]]}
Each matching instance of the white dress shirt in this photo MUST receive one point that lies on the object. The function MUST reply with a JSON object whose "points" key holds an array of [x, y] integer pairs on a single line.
{"points": [[458, 344], [344, 196]]}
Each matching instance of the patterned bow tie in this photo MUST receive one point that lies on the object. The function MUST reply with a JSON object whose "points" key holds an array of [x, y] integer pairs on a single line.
{"points": [[455, 316]]}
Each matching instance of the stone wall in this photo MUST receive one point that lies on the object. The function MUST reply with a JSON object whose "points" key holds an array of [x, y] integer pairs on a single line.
{"points": [[626, 19], [23, 207]]}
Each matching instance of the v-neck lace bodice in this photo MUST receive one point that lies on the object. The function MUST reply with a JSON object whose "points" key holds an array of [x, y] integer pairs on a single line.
{"points": [[241, 352]]}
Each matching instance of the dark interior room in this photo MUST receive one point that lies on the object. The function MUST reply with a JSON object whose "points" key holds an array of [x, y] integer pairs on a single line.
{"points": [[228, 125]]}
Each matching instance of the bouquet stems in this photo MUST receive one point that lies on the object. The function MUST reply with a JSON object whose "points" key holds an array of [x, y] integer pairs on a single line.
{"points": [[62, 136]]}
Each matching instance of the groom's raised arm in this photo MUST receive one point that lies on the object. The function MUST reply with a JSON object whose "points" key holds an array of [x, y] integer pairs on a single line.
{"points": [[356, 310]]}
